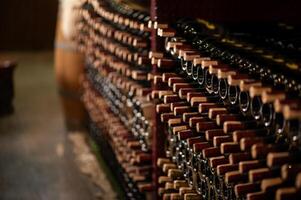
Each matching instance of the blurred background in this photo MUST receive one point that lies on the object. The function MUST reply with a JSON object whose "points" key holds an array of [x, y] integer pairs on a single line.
{"points": [[27, 25], [36, 159]]}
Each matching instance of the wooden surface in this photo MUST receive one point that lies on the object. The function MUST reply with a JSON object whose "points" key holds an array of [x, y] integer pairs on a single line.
{"points": [[28, 24]]}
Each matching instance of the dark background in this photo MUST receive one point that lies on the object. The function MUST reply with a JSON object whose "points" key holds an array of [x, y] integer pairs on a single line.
{"points": [[231, 11], [27, 24], [30, 24]]}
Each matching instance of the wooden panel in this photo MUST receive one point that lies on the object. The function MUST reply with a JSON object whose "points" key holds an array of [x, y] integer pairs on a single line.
{"points": [[27, 24]]}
